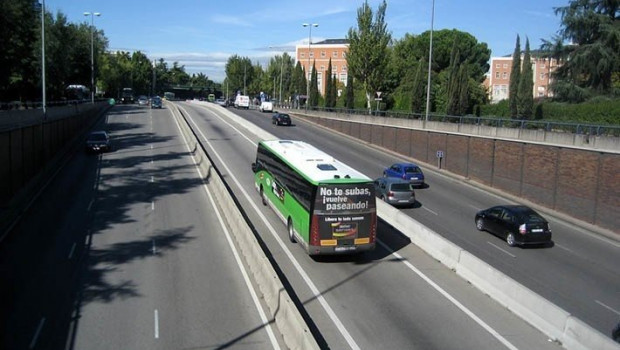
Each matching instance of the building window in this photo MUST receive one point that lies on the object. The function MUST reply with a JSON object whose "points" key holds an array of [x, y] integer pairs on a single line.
{"points": [[334, 69], [322, 54], [343, 78], [505, 75], [322, 68], [311, 54], [542, 66], [344, 68], [496, 75], [302, 55], [344, 54], [497, 65], [542, 76], [505, 65], [335, 54]]}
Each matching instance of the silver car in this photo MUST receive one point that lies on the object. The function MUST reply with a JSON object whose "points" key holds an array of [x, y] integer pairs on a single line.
{"points": [[395, 191]]}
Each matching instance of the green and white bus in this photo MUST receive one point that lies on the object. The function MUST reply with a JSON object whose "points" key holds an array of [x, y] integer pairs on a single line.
{"points": [[326, 205]]}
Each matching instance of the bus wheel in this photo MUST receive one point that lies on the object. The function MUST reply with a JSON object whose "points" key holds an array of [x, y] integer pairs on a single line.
{"points": [[262, 196], [289, 226]]}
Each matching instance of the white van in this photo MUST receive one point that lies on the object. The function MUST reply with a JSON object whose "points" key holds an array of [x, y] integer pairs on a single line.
{"points": [[242, 101]]}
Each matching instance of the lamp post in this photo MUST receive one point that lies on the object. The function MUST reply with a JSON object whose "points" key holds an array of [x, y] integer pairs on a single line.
{"points": [[430, 59], [309, 41], [43, 97], [92, 53]]}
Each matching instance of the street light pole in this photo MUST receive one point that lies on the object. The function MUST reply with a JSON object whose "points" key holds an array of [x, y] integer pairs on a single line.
{"points": [[309, 41], [92, 53], [430, 59], [43, 96]]}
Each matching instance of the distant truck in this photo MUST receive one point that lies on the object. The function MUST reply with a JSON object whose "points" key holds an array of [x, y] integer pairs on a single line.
{"points": [[266, 106], [242, 101], [127, 96]]}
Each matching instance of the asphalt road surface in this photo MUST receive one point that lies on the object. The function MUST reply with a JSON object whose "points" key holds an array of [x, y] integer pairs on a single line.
{"points": [[395, 297], [125, 250]]}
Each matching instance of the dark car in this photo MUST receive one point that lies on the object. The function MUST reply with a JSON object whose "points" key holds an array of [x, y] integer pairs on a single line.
{"points": [[406, 171], [517, 224], [98, 141], [156, 102], [281, 119], [395, 191]]}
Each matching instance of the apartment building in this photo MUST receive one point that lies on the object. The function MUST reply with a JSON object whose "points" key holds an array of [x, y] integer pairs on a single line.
{"points": [[319, 55], [497, 81]]}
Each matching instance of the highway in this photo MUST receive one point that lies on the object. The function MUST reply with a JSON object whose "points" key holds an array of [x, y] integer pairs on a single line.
{"points": [[395, 297], [126, 250], [579, 272]]}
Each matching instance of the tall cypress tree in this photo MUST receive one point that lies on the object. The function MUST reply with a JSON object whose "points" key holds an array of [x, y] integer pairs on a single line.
{"points": [[515, 74], [350, 94], [453, 82], [418, 100], [328, 85], [463, 93], [334, 90], [525, 95], [313, 99]]}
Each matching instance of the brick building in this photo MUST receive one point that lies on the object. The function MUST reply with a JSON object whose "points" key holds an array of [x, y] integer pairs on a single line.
{"points": [[319, 54], [497, 81]]}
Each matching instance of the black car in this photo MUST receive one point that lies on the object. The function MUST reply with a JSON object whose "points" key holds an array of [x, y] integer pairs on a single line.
{"points": [[156, 102], [517, 224], [98, 141], [281, 119]]}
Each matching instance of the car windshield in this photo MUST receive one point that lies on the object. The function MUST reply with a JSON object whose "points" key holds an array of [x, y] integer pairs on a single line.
{"points": [[97, 137], [412, 170], [401, 187]]}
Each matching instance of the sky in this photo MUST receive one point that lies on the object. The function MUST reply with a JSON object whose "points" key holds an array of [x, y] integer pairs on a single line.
{"points": [[202, 34]]}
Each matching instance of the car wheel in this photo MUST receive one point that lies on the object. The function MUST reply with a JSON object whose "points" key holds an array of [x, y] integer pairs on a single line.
{"points": [[289, 226], [383, 198], [510, 239], [480, 224], [262, 196]]}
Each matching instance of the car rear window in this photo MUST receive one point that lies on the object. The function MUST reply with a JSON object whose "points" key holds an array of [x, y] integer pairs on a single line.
{"points": [[412, 170], [401, 187]]}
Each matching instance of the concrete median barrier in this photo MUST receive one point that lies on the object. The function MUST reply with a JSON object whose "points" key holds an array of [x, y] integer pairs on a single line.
{"points": [[282, 310]]}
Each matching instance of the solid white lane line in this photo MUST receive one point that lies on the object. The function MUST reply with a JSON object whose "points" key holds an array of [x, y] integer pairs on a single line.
{"points": [[71, 251], [514, 256], [453, 300], [90, 204], [154, 250], [152, 178], [152, 205], [246, 278], [33, 343], [562, 247], [432, 212], [608, 307], [156, 324], [315, 291]]}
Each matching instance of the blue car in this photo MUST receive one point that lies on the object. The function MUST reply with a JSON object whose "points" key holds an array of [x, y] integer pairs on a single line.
{"points": [[406, 171]]}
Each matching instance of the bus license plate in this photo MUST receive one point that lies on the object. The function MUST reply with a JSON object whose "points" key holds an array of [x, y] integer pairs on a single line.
{"points": [[344, 249]]}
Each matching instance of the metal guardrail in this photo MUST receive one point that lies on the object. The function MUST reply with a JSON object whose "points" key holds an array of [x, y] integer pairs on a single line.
{"points": [[574, 128]]}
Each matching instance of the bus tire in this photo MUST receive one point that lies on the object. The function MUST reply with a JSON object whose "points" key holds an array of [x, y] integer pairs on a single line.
{"points": [[262, 196], [289, 227]]}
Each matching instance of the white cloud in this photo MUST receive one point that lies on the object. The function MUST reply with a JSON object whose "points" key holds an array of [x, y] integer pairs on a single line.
{"points": [[231, 20]]}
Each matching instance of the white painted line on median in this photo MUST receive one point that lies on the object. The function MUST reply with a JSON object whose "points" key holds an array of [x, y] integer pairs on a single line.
{"points": [[152, 205], [152, 178], [453, 300], [71, 251], [33, 343], [156, 324], [562, 247], [608, 307], [315, 291], [151, 146], [90, 204], [514, 256], [425, 208], [246, 278], [154, 250]]}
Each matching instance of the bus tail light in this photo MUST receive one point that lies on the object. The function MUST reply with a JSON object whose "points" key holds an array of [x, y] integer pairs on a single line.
{"points": [[314, 231]]}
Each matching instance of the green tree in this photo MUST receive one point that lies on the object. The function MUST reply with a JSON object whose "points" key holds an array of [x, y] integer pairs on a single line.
{"points": [[334, 92], [418, 95], [368, 49], [313, 99], [515, 78], [329, 86], [239, 73], [589, 65], [452, 88], [350, 94], [464, 100], [525, 95]]}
